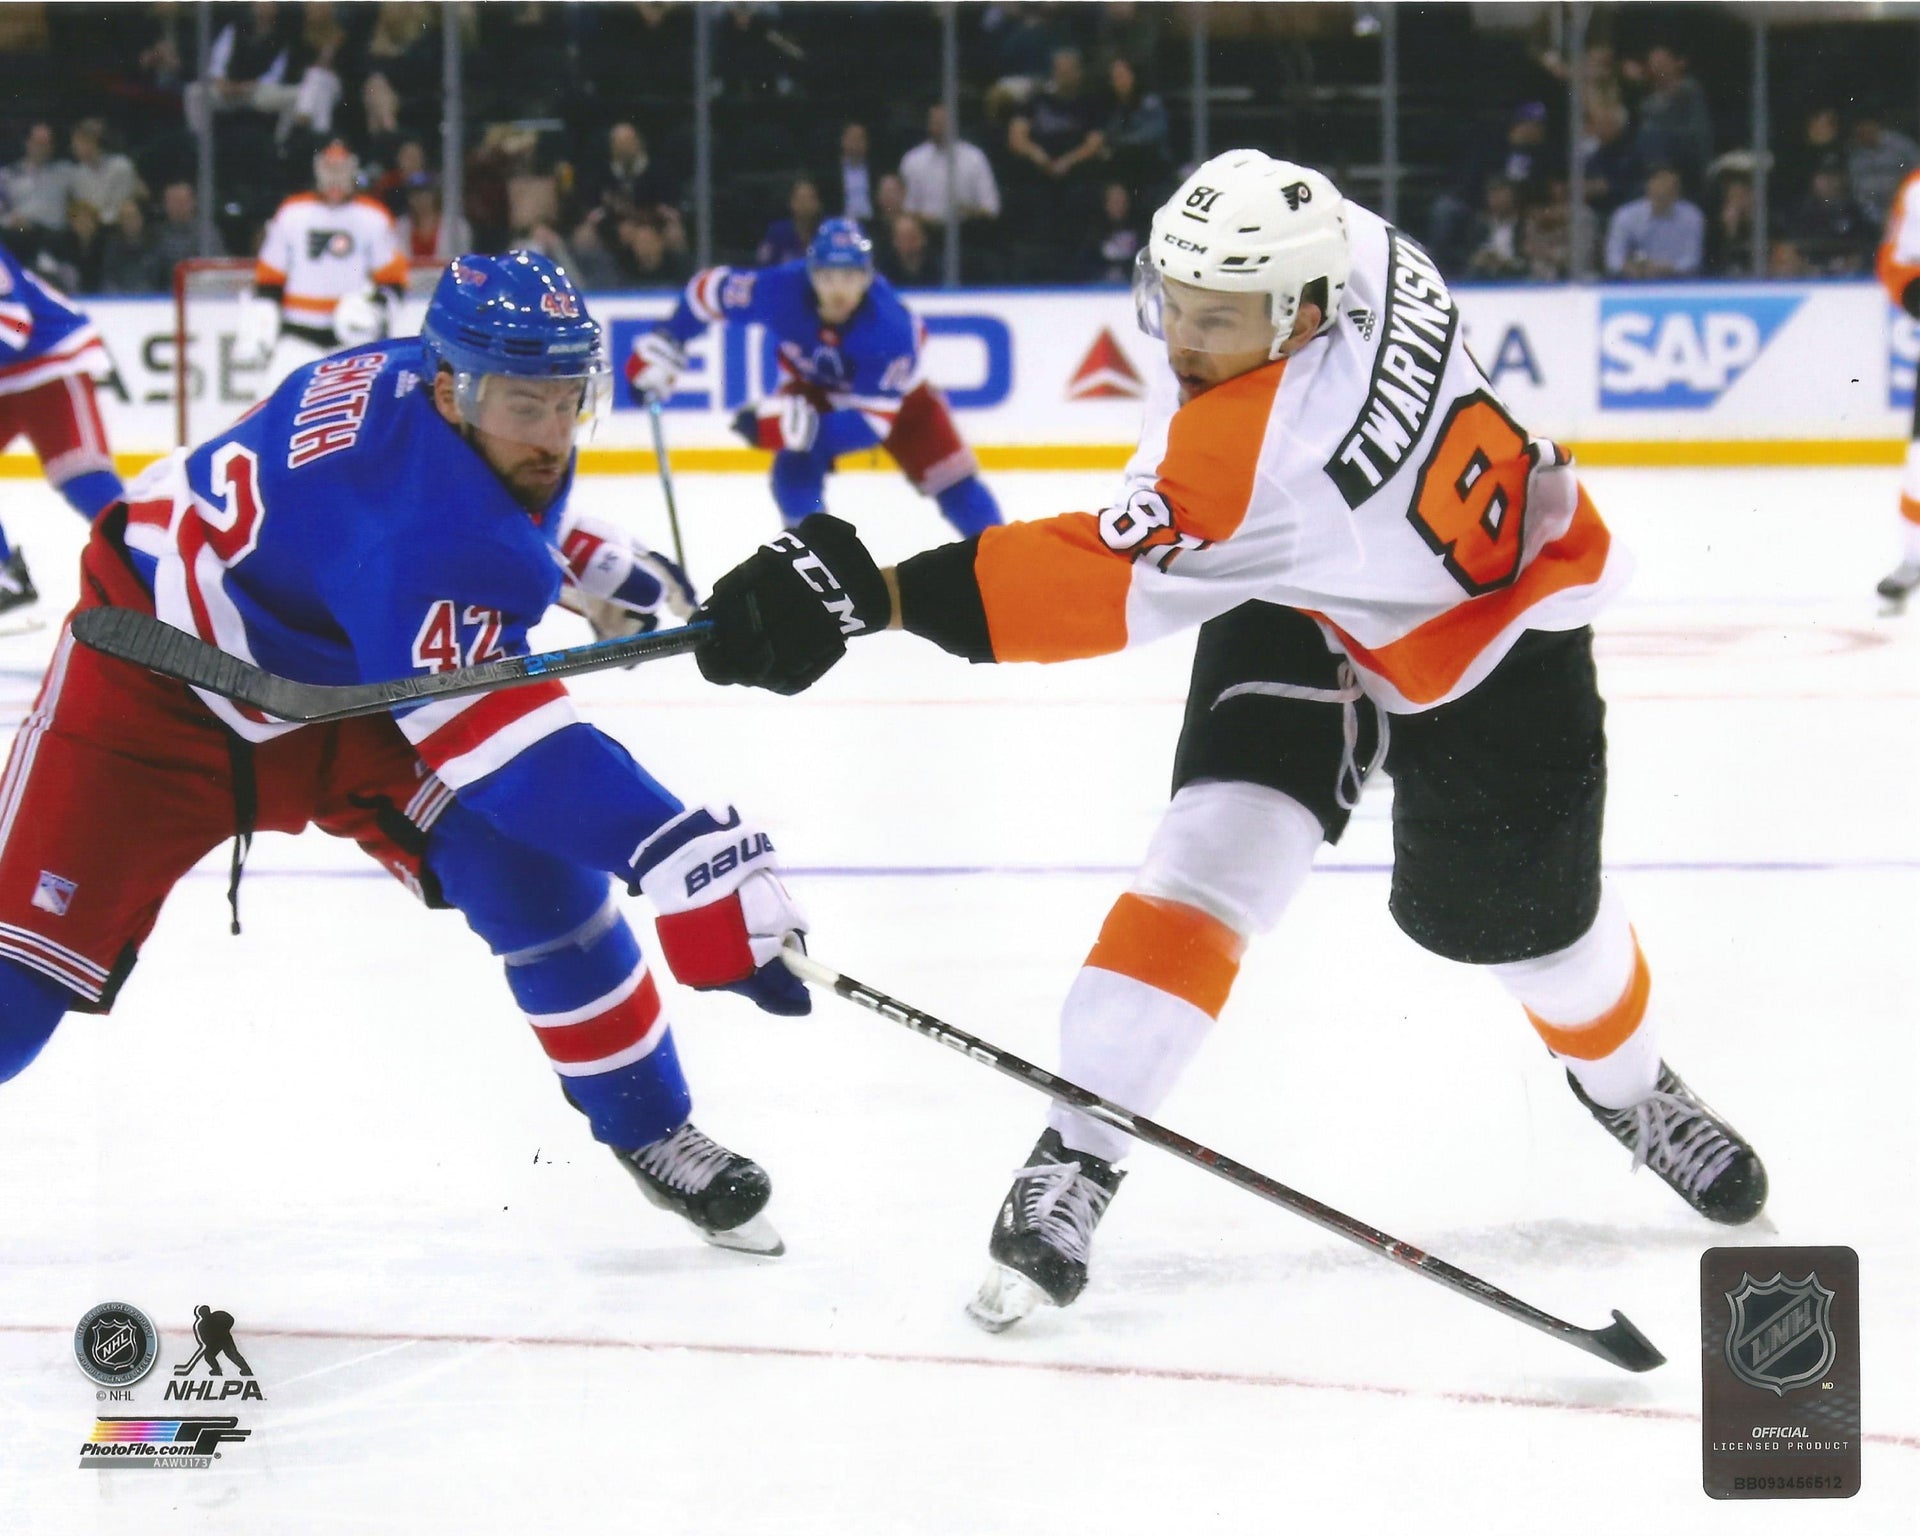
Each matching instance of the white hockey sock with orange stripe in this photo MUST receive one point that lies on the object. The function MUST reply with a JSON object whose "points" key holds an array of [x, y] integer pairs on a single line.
{"points": [[1589, 1003], [1224, 862], [1139, 1009], [1910, 503]]}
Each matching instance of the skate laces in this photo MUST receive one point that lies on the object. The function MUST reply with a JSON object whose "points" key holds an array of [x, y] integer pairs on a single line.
{"points": [[688, 1159], [1062, 1204], [1677, 1136]]}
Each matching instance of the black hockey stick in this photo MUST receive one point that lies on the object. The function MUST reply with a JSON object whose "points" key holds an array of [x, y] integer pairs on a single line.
{"points": [[1620, 1343], [145, 641], [666, 483]]}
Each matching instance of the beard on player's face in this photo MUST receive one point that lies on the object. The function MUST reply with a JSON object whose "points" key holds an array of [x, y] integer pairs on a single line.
{"points": [[532, 476]]}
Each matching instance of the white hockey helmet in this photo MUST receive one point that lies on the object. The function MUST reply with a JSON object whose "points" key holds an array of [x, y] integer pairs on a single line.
{"points": [[1246, 223]]}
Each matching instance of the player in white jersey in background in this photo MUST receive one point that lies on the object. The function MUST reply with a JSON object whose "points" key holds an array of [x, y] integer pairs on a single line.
{"points": [[1386, 569], [1899, 269], [330, 273]]}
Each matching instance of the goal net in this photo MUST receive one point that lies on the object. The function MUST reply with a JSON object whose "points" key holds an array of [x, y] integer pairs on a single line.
{"points": [[213, 383]]}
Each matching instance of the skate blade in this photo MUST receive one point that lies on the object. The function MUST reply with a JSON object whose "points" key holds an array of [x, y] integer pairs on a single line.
{"points": [[755, 1235], [1005, 1297]]}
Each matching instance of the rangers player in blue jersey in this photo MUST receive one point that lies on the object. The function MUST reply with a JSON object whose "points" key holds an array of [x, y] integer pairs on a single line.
{"points": [[850, 353], [401, 508], [48, 352]]}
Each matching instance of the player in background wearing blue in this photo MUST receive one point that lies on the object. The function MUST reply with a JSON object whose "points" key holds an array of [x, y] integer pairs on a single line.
{"points": [[401, 508], [48, 349], [850, 353]]}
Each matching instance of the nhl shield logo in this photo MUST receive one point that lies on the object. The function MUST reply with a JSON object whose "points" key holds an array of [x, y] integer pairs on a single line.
{"points": [[1779, 1332]]}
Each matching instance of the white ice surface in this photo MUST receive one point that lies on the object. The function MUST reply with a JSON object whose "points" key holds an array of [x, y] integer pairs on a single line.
{"points": [[465, 1319]]}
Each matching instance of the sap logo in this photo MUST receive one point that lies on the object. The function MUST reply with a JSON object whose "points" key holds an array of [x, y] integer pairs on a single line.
{"points": [[1903, 357], [1682, 353]]}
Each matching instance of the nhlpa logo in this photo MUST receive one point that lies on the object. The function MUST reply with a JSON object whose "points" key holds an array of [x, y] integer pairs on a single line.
{"points": [[1105, 373], [562, 306], [1779, 1332], [1682, 353]]}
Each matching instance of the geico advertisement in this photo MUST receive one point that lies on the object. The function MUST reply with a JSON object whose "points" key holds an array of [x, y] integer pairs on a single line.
{"points": [[1033, 368]]}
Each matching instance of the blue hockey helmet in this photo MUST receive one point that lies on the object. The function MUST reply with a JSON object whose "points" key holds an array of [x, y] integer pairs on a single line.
{"points": [[517, 315], [840, 243]]}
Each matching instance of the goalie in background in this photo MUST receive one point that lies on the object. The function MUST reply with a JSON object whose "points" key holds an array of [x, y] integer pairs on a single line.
{"points": [[330, 273]]}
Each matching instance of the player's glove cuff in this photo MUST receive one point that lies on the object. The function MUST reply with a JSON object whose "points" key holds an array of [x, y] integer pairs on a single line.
{"points": [[781, 618], [723, 912]]}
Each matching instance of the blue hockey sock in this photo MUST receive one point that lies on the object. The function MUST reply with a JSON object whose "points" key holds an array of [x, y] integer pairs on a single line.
{"points": [[92, 493], [969, 506], [799, 485], [594, 1005], [30, 1008], [575, 968], [635, 1105]]}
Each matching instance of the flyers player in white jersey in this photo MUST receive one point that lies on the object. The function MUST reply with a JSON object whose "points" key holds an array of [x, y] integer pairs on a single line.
{"points": [[1386, 568], [330, 273], [1899, 268]]}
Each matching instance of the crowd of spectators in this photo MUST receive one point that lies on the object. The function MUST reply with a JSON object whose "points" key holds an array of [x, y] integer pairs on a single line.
{"points": [[1659, 203], [580, 143]]}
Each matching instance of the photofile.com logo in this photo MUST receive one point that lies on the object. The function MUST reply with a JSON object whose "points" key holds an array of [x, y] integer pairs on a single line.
{"points": [[164, 1443]]}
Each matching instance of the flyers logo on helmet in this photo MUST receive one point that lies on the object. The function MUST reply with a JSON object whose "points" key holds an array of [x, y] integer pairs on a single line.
{"points": [[563, 306]]}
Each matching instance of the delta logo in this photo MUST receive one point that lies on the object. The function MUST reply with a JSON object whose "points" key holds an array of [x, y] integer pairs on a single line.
{"points": [[1105, 373]]}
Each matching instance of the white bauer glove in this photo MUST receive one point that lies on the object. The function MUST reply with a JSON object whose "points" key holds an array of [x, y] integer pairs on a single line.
{"points": [[784, 422], [655, 365], [360, 317], [256, 329], [619, 585], [723, 913]]}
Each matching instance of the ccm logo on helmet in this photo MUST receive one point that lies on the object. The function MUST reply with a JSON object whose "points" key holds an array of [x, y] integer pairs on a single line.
{"points": [[563, 306], [727, 860], [1185, 245]]}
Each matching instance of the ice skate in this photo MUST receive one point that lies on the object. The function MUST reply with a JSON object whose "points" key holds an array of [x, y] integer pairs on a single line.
{"points": [[719, 1192], [1041, 1237], [1702, 1158], [1898, 584], [19, 599]]}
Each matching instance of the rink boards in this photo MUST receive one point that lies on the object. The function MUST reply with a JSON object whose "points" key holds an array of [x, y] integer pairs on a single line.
{"points": [[1705, 373]]}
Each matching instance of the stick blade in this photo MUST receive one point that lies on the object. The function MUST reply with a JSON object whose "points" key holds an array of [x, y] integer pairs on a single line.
{"points": [[1621, 1344]]}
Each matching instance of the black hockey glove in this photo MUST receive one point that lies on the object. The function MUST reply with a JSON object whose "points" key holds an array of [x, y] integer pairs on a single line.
{"points": [[781, 617]]}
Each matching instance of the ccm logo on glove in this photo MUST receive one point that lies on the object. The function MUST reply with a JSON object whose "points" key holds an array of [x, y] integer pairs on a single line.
{"points": [[813, 571]]}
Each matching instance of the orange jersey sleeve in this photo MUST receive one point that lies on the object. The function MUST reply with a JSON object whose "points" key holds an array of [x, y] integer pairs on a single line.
{"points": [[1058, 589]]}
